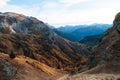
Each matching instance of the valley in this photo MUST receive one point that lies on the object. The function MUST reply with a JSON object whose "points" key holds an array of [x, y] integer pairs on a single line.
{"points": [[31, 50]]}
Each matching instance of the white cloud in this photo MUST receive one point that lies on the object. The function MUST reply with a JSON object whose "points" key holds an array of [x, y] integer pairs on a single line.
{"points": [[14, 8], [57, 14], [73, 1], [83, 13], [3, 2], [76, 17], [50, 5]]}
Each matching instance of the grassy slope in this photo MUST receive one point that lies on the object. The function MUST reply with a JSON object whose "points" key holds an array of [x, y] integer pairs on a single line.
{"points": [[29, 69]]}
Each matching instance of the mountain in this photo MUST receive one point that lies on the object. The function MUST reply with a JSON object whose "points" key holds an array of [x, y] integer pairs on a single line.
{"points": [[66, 35], [104, 62], [91, 30], [51, 27], [81, 31], [27, 36], [69, 28], [91, 41], [108, 51]]}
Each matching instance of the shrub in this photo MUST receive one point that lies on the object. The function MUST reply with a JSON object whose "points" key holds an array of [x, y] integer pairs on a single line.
{"points": [[84, 61], [12, 55]]}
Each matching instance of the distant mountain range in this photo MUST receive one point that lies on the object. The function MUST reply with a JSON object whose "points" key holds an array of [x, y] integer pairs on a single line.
{"points": [[76, 33]]}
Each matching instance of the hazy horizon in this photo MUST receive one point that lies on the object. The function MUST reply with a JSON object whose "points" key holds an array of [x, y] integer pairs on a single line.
{"points": [[65, 12]]}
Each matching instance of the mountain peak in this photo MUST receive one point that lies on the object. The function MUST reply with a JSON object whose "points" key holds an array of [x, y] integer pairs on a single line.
{"points": [[117, 17], [19, 23], [11, 14]]}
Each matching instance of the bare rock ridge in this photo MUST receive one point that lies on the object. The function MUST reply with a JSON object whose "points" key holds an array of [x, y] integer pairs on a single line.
{"points": [[32, 38]]}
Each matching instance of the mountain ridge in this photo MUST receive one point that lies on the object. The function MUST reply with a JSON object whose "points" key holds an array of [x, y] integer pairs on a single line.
{"points": [[76, 33], [32, 38]]}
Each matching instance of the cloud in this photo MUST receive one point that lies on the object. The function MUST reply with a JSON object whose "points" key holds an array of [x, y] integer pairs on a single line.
{"points": [[72, 2], [14, 8], [56, 13], [3, 2]]}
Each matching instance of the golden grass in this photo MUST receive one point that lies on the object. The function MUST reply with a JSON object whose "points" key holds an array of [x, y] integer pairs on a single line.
{"points": [[29, 69]]}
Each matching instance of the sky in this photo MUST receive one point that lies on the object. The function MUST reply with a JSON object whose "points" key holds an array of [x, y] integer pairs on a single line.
{"points": [[65, 12]]}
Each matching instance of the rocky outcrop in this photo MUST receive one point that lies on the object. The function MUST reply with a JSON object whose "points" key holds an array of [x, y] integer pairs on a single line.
{"points": [[6, 70]]}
